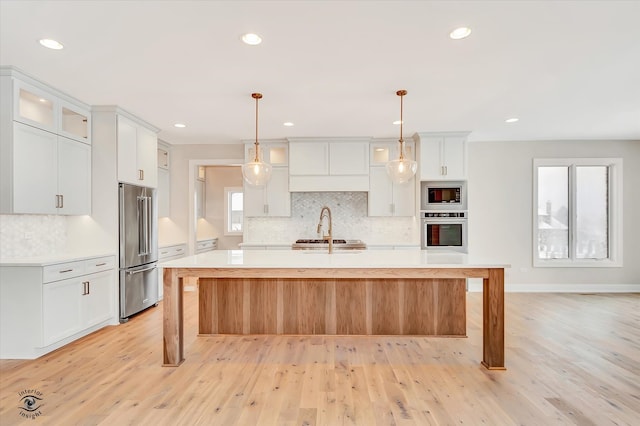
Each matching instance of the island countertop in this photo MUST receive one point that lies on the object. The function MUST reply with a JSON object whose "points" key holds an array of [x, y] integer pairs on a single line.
{"points": [[346, 259]]}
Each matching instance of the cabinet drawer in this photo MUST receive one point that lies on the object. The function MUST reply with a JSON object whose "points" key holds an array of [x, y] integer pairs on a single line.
{"points": [[62, 271], [100, 264], [172, 252], [206, 245]]}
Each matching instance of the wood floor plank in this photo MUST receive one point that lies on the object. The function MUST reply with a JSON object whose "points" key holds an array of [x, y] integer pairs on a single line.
{"points": [[572, 360]]}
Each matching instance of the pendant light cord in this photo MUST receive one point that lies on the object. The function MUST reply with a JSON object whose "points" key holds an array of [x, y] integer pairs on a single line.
{"points": [[256, 96], [401, 93]]}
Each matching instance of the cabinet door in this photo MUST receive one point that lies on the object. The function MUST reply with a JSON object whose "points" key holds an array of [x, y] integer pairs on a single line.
{"points": [[75, 122], [96, 304], [380, 192], [127, 151], [164, 193], [34, 170], [277, 193], [431, 158], [254, 200], [308, 158], [147, 156], [348, 158], [74, 177], [61, 313], [453, 158], [35, 107], [404, 198]]}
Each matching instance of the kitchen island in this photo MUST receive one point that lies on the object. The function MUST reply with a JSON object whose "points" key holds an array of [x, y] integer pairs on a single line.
{"points": [[378, 292]]}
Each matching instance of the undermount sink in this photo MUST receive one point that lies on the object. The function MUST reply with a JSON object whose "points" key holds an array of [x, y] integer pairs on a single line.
{"points": [[338, 244]]}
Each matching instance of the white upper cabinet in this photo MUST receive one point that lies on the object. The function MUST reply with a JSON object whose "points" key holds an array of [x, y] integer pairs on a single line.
{"points": [[45, 156], [385, 197], [328, 165], [443, 156], [39, 108], [309, 159], [274, 198], [274, 153], [137, 153]]}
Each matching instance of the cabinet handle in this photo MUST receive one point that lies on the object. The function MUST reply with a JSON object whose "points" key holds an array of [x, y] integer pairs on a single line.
{"points": [[85, 288], [140, 174], [101, 264], [164, 252], [178, 249], [61, 201], [445, 170], [88, 287], [65, 271]]}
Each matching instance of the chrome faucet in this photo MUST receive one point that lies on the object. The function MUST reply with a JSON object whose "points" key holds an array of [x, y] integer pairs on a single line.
{"points": [[326, 212]]}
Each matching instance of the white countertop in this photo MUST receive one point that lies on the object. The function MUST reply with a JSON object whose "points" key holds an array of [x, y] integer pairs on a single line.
{"points": [[52, 259], [320, 259]]}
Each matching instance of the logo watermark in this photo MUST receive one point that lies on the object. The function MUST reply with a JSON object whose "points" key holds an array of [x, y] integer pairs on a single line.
{"points": [[31, 400]]}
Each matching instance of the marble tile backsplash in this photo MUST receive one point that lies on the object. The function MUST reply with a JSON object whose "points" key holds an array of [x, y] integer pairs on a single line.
{"points": [[350, 221], [31, 235]]}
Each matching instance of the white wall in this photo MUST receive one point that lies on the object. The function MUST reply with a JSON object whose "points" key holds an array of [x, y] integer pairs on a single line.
{"points": [[216, 179], [181, 198], [500, 209]]}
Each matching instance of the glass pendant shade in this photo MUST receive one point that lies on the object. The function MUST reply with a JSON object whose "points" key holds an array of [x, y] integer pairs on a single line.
{"points": [[256, 172], [401, 170]]}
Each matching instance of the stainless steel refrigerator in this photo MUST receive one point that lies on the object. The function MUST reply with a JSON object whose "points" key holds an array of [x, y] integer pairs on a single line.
{"points": [[138, 249]]}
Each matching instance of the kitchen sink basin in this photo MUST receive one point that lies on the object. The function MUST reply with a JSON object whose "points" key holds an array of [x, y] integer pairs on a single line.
{"points": [[338, 245]]}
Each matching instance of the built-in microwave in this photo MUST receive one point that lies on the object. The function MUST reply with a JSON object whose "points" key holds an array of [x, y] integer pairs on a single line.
{"points": [[443, 195]]}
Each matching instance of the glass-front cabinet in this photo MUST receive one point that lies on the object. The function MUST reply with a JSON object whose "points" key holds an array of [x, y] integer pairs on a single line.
{"points": [[41, 109]]}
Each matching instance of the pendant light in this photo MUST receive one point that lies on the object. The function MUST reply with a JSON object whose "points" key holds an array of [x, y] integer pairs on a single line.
{"points": [[256, 172], [402, 169]]}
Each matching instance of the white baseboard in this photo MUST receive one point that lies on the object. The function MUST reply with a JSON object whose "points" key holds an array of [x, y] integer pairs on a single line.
{"points": [[475, 285]]}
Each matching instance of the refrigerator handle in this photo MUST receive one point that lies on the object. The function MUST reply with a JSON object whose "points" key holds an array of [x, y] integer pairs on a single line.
{"points": [[142, 226], [141, 270], [147, 228]]}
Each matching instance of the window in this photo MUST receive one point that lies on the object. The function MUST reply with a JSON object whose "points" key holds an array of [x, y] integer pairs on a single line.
{"points": [[234, 210], [577, 212]]}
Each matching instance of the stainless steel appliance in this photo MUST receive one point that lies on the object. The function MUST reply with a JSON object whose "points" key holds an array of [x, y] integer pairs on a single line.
{"points": [[138, 249], [444, 231], [444, 195]]}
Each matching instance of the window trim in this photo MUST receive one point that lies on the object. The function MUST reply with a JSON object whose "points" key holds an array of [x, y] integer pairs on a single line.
{"points": [[615, 206], [227, 212]]}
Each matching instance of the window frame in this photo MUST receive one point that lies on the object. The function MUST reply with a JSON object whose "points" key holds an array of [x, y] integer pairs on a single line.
{"points": [[228, 190], [614, 205]]}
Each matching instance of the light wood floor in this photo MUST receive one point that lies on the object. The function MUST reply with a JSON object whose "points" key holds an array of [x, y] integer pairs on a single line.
{"points": [[571, 359]]}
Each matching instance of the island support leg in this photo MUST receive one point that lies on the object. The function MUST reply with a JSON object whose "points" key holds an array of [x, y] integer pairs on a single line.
{"points": [[493, 320], [173, 337]]}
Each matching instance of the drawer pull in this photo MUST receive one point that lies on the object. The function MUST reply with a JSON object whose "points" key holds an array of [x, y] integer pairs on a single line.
{"points": [[164, 252], [101, 264], [65, 271], [178, 249]]}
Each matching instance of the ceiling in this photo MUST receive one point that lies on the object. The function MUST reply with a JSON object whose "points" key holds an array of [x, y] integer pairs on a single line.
{"points": [[569, 70]]}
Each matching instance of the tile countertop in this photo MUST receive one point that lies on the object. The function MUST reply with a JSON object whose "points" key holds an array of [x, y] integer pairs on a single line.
{"points": [[320, 259], [52, 259]]}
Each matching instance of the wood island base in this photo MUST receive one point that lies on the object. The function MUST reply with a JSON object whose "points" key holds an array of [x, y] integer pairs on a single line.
{"points": [[411, 301]]}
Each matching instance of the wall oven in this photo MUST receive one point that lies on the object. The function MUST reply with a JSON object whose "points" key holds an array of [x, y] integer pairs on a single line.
{"points": [[443, 195], [444, 231]]}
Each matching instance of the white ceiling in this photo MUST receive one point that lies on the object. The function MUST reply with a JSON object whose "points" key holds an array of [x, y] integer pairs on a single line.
{"points": [[567, 69]]}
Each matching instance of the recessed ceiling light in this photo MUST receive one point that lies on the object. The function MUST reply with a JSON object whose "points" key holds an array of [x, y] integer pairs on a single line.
{"points": [[459, 33], [180, 125], [397, 122], [251, 39], [51, 44], [288, 124], [511, 120]]}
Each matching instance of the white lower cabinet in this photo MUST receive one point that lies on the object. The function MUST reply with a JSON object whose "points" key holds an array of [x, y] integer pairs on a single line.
{"points": [[45, 307]]}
